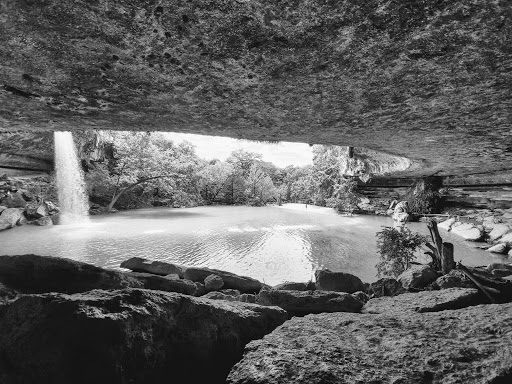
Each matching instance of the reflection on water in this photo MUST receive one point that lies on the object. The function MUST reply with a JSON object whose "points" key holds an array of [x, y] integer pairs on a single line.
{"points": [[268, 243]]}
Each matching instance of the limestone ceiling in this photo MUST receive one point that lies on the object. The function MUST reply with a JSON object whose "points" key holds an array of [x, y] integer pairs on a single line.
{"points": [[430, 80]]}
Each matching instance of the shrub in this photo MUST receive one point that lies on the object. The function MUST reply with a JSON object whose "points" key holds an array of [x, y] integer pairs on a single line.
{"points": [[396, 248]]}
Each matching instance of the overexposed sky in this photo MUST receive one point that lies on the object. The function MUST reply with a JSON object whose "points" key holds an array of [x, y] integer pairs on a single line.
{"points": [[216, 147]]}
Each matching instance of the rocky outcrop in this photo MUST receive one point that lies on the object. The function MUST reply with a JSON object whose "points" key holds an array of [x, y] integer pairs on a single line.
{"points": [[126, 336], [139, 264], [300, 303], [242, 283], [40, 274], [327, 280], [467, 346], [417, 277], [425, 301], [454, 279]]}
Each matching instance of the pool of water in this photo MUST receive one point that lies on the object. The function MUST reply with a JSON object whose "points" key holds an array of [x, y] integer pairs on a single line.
{"points": [[272, 244]]}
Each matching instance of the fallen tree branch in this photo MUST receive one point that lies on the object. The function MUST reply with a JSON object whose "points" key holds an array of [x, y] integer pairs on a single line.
{"points": [[472, 277]]}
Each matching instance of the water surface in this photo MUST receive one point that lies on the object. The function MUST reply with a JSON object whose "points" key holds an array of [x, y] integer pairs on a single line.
{"points": [[271, 244]]}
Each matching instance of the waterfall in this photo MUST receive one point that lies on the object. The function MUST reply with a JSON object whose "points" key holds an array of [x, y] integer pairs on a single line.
{"points": [[73, 200]]}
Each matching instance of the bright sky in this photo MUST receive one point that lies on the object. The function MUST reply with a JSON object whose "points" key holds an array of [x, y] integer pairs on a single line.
{"points": [[216, 147]]}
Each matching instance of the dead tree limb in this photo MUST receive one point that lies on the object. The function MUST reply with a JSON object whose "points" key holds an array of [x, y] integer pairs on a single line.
{"points": [[472, 277]]}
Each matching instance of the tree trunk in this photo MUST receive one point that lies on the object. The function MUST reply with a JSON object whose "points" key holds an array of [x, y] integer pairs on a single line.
{"points": [[447, 261]]}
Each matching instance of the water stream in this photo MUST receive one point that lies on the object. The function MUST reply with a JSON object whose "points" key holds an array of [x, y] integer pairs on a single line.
{"points": [[73, 200], [271, 244]]}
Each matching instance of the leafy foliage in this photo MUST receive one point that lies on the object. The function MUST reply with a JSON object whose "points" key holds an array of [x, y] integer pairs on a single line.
{"points": [[424, 196], [396, 248]]}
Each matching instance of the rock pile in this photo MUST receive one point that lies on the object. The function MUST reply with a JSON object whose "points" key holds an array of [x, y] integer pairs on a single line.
{"points": [[146, 325], [19, 206]]}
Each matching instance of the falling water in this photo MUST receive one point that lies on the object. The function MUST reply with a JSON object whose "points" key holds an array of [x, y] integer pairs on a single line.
{"points": [[73, 200]]}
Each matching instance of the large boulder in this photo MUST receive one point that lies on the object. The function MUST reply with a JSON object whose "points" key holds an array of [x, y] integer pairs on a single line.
{"points": [[417, 277], [164, 283], [386, 286], [300, 303], [126, 336], [425, 301], [35, 210], [498, 231], [242, 283], [447, 224], [327, 280], [469, 346], [454, 279], [10, 217], [139, 264], [506, 239], [40, 274], [467, 231]]}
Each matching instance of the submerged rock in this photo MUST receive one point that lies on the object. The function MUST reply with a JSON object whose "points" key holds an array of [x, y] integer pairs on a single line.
{"points": [[300, 303], [467, 346], [139, 264], [126, 336], [416, 277], [425, 301], [242, 283], [327, 280], [39, 274]]}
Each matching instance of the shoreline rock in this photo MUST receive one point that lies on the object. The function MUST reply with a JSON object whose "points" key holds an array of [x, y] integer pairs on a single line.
{"points": [[126, 336]]}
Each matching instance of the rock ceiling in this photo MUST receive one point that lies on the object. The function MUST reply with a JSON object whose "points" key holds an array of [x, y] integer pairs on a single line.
{"points": [[430, 80]]}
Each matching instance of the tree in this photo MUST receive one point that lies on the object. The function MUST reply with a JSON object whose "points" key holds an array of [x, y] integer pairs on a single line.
{"points": [[396, 248], [213, 179]]}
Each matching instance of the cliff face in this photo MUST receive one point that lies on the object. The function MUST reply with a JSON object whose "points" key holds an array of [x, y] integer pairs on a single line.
{"points": [[428, 80], [33, 152]]}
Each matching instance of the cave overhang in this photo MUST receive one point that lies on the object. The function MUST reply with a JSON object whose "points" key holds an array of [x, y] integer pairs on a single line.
{"points": [[431, 82]]}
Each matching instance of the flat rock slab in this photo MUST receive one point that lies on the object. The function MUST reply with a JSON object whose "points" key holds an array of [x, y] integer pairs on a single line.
{"points": [[232, 281], [167, 283], [40, 274], [126, 336], [467, 346], [425, 301], [139, 264], [300, 303]]}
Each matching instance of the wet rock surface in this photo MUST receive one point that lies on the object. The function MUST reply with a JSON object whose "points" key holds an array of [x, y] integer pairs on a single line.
{"points": [[425, 301], [126, 336], [470, 346]]}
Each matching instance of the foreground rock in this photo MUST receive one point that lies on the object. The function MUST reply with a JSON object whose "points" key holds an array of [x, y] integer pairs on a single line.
{"points": [[327, 280], [126, 336], [232, 281], [386, 286], [40, 274], [139, 264], [300, 303], [425, 301], [292, 286], [467, 346]]}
